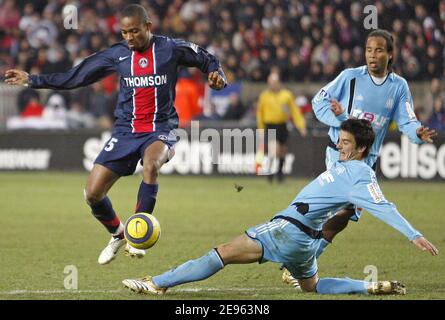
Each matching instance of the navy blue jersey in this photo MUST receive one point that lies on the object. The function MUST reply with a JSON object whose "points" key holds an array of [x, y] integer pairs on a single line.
{"points": [[147, 79]]}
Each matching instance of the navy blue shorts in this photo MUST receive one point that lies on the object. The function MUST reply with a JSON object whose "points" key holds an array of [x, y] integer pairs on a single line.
{"points": [[123, 151]]}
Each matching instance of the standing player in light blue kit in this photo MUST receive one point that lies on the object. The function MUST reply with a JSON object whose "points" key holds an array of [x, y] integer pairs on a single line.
{"points": [[371, 92], [293, 235]]}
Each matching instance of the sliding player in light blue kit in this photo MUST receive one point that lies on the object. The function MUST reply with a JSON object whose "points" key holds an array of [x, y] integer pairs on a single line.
{"points": [[293, 235], [371, 92]]}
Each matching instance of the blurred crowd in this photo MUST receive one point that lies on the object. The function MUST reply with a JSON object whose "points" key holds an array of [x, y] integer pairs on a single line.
{"points": [[306, 41]]}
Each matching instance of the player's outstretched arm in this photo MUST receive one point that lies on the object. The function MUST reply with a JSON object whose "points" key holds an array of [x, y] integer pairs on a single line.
{"points": [[425, 134], [424, 245], [90, 70], [16, 77]]}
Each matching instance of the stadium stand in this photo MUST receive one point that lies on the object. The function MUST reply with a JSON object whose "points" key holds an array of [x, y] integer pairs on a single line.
{"points": [[307, 41]]}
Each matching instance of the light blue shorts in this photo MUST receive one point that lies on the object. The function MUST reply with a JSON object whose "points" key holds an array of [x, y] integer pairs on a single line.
{"points": [[283, 242]]}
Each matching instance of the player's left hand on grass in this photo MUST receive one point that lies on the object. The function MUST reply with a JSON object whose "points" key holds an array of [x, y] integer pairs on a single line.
{"points": [[425, 134], [216, 81], [424, 245]]}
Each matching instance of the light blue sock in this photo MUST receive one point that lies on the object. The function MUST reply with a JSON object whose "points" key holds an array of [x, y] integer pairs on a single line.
{"points": [[344, 285], [321, 247], [192, 270]]}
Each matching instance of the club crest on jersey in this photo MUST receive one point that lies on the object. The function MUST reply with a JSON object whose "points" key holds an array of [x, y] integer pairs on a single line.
{"points": [[143, 63]]}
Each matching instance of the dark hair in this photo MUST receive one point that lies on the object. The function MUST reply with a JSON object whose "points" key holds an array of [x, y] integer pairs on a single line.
{"points": [[388, 39], [136, 10], [362, 131]]}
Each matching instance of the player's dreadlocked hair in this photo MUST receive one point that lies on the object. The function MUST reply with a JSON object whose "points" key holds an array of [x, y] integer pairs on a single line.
{"points": [[389, 42], [136, 10], [362, 131]]}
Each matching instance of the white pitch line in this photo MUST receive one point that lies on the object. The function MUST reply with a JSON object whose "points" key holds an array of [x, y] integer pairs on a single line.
{"points": [[19, 292]]}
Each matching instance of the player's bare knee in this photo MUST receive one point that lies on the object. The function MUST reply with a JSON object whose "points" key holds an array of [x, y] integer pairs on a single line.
{"points": [[231, 252], [224, 253], [151, 169], [92, 197]]}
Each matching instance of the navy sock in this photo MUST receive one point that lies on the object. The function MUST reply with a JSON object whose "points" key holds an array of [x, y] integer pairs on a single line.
{"points": [[104, 212], [146, 197]]}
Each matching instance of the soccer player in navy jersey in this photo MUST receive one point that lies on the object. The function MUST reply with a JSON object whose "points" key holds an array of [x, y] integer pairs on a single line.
{"points": [[145, 116]]}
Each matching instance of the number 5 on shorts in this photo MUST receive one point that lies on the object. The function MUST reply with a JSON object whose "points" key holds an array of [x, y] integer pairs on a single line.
{"points": [[110, 144]]}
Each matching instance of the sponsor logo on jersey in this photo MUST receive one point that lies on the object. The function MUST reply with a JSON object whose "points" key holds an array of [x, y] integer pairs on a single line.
{"points": [[377, 120], [359, 98], [146, 81], [321, 95], [375, 192], [374, 189], [162, 137]]}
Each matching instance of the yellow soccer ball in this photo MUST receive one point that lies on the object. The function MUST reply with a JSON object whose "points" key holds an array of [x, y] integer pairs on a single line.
{"points": [[142, 230]]}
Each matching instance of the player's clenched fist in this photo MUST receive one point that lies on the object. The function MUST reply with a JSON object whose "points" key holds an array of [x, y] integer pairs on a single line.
{"points": [[216, 81], [16, 77]]}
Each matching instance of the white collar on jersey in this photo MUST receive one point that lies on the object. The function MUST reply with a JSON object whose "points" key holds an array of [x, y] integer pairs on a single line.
{"points": [[390, 76], [377, 80]]}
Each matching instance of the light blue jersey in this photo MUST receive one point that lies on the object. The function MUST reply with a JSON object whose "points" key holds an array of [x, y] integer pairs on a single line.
{"points": [[346, 182], [361, 98], [293, 236]]}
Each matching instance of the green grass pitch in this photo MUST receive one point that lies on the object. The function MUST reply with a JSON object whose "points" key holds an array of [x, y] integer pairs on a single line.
{"points": [[47, 226]]}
